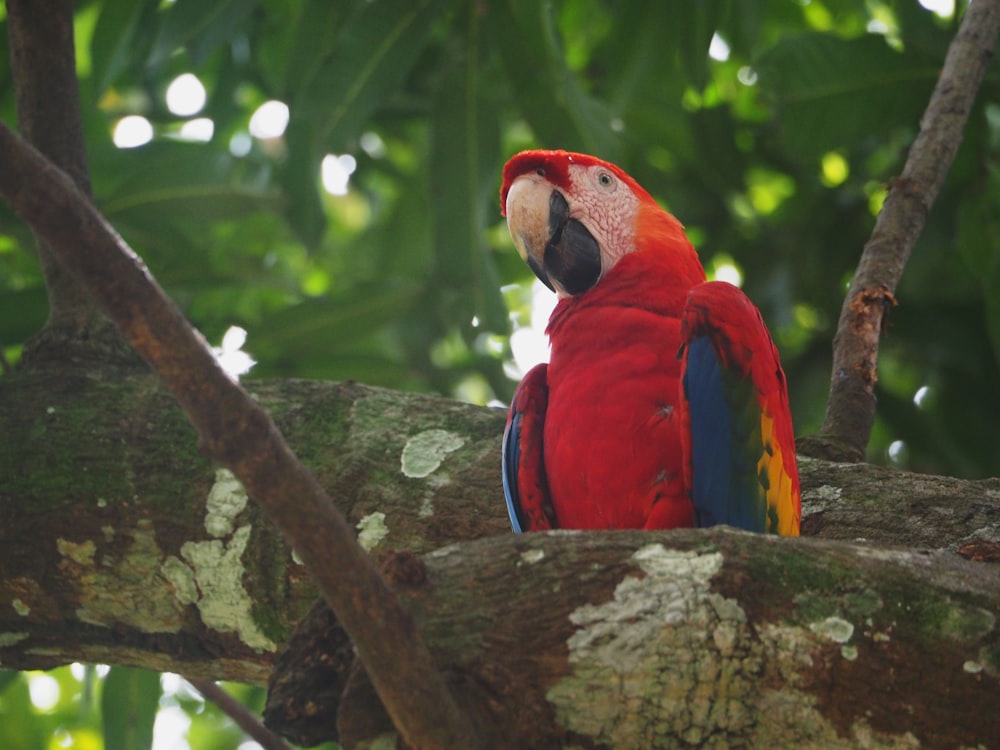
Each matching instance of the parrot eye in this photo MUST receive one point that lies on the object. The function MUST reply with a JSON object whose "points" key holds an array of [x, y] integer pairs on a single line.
{"points": [[540, 172], [604, 179]]}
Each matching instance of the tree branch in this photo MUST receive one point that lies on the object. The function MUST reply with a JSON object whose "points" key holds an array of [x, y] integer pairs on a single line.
{"points": [[239, 434], [115, 548], [850, 410], [240, 714], [43, 67], [713, 638]]}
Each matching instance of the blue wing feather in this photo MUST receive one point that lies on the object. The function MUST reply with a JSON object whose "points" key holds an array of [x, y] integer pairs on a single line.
{"points": [[523, 464], [509, 462], [725, 487]]}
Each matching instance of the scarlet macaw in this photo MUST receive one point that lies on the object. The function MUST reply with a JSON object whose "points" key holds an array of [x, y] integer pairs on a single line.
{"points": [[663, 404]]}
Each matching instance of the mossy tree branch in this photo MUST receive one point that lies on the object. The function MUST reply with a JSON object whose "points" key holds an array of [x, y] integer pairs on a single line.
{"points": [[124, 545]]}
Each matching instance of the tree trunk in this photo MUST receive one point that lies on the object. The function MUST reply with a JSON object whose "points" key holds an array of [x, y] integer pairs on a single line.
{"points": [[123, 545]]}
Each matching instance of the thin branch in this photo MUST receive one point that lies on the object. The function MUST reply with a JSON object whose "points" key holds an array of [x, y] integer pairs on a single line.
{"points": [[235, 431], [850, 410], [243, 717]]}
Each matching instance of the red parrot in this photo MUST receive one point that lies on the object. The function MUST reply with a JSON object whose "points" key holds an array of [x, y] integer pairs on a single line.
{"points": [[663, 404]]}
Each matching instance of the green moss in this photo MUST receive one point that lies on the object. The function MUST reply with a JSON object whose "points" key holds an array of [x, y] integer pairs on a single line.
{"points": [[108, 442], [883, 601], [861, 604], [316, 432], [70, 426], [989, 657], [266, 579], [923, 612], [816, 592]]}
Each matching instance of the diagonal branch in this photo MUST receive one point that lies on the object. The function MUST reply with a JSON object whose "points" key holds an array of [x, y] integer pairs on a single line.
{"points": [[850, 410], [243, 717], [235, 431]]}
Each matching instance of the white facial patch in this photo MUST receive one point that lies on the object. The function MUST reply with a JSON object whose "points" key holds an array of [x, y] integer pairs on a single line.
{"points": [[607, 207]]}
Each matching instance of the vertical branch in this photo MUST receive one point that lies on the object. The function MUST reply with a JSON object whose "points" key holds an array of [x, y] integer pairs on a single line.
{"points": [[850, 412], [43, 66]]}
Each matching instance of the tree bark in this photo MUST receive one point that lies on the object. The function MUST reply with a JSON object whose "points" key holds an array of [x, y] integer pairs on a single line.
{"points": [[122, 544], [43, 66]]}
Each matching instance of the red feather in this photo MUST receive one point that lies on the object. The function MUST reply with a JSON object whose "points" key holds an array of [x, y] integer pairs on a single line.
{"points": [[610, 444]]}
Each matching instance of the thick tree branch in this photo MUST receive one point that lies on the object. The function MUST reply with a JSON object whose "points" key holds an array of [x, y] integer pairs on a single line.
{"points": [[850, 410], [108, 513], [239, 434], [122, 545], [712, 638]]}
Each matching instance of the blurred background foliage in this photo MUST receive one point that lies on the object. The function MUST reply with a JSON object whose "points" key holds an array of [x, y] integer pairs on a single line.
{"points": [[325, 176]]}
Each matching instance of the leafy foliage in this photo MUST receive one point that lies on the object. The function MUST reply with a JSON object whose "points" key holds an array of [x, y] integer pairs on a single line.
{"points": [[770, 128]]}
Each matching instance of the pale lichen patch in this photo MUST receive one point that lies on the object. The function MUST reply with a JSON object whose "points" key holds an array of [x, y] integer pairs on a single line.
{"points": [[532, 556], [448, 549], [20, 607], [226, 500], [972, 667], [372, 530], [434, 484], [125, 588], [82, 553], [818, 499], [12, 639], [668, 662], [387, 741], [837, 629], [650, 649], [425, 451], [825, 493], [181, 577], [222, 600], [426, 507]]}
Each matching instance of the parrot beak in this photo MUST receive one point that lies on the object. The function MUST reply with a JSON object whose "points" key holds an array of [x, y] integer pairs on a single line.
{"points": [[558, 249]]}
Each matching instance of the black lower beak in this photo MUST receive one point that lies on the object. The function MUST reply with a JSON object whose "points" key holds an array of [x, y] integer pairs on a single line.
{"points": [[572, 256]]}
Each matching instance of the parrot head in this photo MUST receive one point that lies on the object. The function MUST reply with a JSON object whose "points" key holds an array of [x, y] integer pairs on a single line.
{"points": [[572, 217]]}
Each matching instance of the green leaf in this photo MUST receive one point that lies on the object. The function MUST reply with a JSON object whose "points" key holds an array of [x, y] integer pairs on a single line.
{"points": [[833, 93], [548, 94], [198, 27], [7, 678], [332, 323], [129, 703], [112, 45], [309, 43], [693, 26], [364, 64], [335, 88], [300, 176], [465, 170], [187, 180], [20, 726], [978, 230], [22, 313]]}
